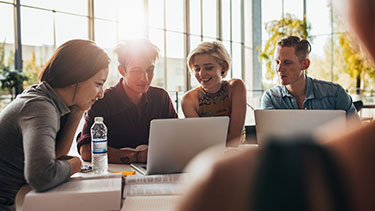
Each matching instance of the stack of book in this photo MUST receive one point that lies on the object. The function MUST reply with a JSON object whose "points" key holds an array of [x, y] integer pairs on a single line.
{"points": [[103, 192]]}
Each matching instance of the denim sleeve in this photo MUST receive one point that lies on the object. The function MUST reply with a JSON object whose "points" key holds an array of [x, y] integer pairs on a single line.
{"points": [[344, 102], [266, 102]]}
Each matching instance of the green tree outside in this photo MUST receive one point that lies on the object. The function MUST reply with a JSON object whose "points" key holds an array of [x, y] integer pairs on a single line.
{"points": [[32, 71], [9, 78], [356, 64], [277, 29], [348, 67]]}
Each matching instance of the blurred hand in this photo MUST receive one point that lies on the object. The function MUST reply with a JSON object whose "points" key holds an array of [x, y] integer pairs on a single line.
{"points": [[128, 156], [142, 147], [142, 154]]}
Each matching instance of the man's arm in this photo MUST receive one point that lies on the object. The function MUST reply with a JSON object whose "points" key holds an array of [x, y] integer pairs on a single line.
{"points": [[169, 110], [97, 110], [85, 135], [142, 152], [345, 102], [114, 155]]}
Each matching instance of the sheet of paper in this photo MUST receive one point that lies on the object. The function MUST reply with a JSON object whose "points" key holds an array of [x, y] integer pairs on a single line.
{"points": [[152, 189], [164, 178], [150, 203], [168, 184]]}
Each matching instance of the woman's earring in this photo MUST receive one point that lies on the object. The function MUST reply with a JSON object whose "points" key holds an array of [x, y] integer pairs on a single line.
{"points": [[222, 72]]}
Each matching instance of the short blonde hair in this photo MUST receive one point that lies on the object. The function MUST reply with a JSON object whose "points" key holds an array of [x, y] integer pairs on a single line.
{"points": [[141, 48], [214, 49]]}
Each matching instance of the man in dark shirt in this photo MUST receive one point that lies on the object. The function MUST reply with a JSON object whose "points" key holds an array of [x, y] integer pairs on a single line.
{"points": [[129, 106]]}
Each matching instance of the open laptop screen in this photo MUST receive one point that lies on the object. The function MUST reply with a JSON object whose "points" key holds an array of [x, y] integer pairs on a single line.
{"points": [[174, 142], [284, 123]]}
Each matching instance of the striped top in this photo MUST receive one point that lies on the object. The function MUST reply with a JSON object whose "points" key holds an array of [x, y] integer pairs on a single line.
{"points": [[217, 104]]}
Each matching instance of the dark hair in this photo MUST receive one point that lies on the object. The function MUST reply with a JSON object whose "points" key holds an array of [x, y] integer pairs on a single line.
{"points": [[127, 50], [73, 62], [302, 47]]}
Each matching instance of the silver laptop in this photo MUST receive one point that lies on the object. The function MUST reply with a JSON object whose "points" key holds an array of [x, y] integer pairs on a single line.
{"points": [[284, 123], [174, 142]]}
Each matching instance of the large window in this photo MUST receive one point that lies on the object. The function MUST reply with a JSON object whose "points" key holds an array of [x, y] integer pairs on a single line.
{"points": [[175, 26], [46, 25], [6, 46], [326, 61], [6, 35]]}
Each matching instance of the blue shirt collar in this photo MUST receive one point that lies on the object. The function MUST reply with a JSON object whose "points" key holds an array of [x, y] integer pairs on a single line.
{"points": [[285, 92], [309, 89]]}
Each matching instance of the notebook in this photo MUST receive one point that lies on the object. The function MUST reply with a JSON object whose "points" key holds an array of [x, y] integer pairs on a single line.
{"points": [[284, 123], [174, 142], [94, 192]]}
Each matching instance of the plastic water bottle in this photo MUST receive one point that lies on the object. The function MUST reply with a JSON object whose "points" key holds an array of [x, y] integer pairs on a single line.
{"points": [[99, 155]]}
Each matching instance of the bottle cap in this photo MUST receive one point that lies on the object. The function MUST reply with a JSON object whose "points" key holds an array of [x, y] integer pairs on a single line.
{"points": [[98, 119]]}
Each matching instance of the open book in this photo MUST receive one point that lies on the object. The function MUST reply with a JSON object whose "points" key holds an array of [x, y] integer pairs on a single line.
{"points": [[166, 184], [102, 192]]}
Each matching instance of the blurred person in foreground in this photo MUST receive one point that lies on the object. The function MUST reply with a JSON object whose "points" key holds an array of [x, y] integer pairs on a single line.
{"points": [[38, 127], [129, 106], [336, 173], [209, 62]]}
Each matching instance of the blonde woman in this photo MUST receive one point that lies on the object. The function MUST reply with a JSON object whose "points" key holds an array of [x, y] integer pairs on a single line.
{"points": [[209, 62]]}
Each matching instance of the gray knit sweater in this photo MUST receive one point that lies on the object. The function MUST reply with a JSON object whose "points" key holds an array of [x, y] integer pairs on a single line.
{"points": [[28, 128]]}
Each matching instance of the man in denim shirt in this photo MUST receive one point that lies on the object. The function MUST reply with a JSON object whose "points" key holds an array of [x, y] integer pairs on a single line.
{"points": [[299, 91]]}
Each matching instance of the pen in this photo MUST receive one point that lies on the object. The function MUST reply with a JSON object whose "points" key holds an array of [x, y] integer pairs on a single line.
{"points": [[125, 173]]}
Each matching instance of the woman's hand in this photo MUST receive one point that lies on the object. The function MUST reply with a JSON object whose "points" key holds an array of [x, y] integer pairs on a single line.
{"points": [[66, 138], [75, 163], [76, 111]]}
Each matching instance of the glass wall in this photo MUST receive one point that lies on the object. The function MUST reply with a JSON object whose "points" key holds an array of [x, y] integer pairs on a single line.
{"points": [[6, 35], [46, 25], [6, 46], [176, 27]]}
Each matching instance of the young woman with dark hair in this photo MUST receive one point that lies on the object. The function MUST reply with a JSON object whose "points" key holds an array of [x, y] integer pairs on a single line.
{"points": [[37, 128]]}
